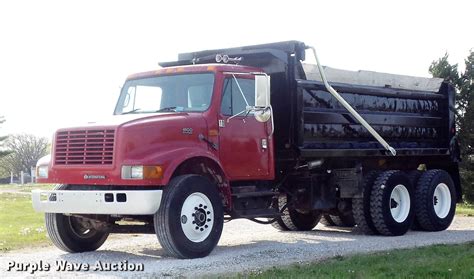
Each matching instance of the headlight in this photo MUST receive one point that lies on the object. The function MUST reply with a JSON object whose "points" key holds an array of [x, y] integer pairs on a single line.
{"points": [[142, 172], [42, 171], [136, 172]]}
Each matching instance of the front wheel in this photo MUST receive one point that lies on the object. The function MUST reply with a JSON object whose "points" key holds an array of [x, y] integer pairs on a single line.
{"points": [[72, 234], [69, 234], [191, 217]]}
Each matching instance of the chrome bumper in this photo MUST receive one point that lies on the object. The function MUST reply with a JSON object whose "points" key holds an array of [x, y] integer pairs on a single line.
{"points": [[139, 202]]}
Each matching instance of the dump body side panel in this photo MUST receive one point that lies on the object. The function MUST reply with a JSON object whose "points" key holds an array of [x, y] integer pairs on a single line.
{"points": [[407, 119]]}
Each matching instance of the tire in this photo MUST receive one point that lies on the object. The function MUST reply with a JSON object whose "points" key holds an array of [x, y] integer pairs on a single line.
{"points": [[298, 221], [391, 203], [278, 224], [435, 202], [190, 219], [338, 220], [67, 233], [414, 176], [343, 220], [361, 206], [326, 220]]}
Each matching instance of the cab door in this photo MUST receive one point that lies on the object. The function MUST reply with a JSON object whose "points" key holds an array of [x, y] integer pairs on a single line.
{"points": [[244, 144]]}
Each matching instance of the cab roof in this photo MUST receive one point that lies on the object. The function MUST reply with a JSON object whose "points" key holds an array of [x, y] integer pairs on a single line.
{"points": [[195, 69]]}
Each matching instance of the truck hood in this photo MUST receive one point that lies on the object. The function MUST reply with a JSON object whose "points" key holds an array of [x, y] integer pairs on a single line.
{"points": [[119, 120]]}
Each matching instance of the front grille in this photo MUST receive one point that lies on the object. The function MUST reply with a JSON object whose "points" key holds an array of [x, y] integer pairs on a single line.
{"points": [[84, 147]]}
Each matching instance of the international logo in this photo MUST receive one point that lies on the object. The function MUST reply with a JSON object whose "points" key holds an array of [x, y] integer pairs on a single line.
{"points": [[93, 176]]}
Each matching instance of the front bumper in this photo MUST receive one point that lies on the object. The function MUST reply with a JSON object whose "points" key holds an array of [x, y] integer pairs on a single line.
{"points": [[138, 202]]}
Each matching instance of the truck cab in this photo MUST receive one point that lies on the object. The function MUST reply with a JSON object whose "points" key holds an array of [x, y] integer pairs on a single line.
{"points": [[167, 123], [163, 118]]}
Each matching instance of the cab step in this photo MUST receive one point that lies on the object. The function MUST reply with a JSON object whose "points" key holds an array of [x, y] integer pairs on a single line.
{"points": [[254, 194]]}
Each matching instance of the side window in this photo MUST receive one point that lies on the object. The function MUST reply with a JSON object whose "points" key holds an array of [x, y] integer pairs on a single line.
{"points": [[232, 100]]}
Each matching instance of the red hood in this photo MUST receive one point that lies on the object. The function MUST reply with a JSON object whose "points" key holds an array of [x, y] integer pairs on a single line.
{"points": [[122, 119]]}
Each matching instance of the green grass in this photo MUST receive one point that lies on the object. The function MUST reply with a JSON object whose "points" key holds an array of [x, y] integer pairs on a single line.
{"points": [[20, 225], [465, 209], [25, 188], [439, 261]]}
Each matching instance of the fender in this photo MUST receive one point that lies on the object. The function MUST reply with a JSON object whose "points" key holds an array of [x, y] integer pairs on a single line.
{"points": [[173, 159], [176, 158]]}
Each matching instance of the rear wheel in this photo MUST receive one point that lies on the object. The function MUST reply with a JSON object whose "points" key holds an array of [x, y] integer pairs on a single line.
{"points": [[391, 203], [190, 219], [343, 220], [278, 224], [72, 234], [300, 221], [339, 220], [414, 176], [295, 220], [435, 202], [327, 220], [361, 206]]}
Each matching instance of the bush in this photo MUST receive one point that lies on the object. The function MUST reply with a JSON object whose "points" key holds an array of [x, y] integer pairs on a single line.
{"points": [[467, 182]]}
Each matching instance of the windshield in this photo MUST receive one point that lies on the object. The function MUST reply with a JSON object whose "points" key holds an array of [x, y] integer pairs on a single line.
{"points": [[185, 92]]}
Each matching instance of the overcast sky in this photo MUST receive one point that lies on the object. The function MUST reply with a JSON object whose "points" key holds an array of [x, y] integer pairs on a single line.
{"points": [[62, 62]]}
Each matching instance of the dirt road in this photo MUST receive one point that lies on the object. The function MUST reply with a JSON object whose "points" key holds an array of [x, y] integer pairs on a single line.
{"points": [[244, 246]]}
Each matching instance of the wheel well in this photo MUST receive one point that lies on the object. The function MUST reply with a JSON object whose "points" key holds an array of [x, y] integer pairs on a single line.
{"points": [[212, 171]]}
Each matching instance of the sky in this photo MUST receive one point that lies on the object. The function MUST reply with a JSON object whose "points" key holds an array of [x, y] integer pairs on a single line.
{"points": [[62, 62]]}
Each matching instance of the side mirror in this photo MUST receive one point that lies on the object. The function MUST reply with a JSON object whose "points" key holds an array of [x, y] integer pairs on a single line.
{"points": [[262, 91], [262, 98]]}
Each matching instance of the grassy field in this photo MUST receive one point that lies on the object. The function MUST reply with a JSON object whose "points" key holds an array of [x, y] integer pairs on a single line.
{"points": [[25, 188], [439, 261], [465, 209], [21, 225]]}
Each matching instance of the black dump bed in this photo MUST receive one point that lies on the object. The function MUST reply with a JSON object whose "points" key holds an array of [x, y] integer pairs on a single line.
{"points": [[414, 115]]}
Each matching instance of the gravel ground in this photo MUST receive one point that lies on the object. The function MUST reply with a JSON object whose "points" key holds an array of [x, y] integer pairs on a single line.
{"points": [[244, 246]]}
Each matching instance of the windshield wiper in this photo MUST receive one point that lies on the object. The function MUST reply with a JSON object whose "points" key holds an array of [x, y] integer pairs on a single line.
{"points": [[166, 109], [132, 111]]}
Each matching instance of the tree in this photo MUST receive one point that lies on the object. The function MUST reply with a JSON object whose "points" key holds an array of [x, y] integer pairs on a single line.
{"points": [[464, 83], [26, 150], [3, 151]]}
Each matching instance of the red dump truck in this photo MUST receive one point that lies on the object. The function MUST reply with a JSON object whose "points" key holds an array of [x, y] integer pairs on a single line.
{"points": [[254, 132]]}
